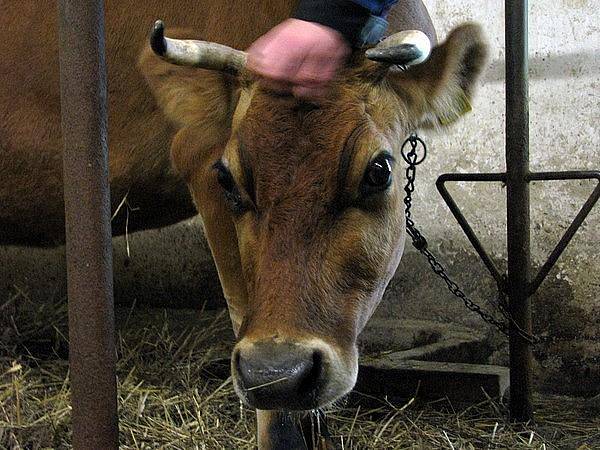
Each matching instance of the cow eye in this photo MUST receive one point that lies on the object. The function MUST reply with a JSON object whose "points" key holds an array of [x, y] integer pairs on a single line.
{"points": [[232, 193], [224, 177], [378, 175]]}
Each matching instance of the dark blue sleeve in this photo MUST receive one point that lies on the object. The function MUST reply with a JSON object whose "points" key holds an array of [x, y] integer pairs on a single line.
{"points": [[361, 22], [376, 7]]}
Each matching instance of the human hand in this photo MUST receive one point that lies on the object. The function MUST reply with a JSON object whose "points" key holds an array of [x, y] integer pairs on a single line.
{"points": [[299, 57]]}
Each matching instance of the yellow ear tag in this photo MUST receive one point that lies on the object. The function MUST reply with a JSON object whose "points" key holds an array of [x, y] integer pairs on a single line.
{"points": [[461, 105]]}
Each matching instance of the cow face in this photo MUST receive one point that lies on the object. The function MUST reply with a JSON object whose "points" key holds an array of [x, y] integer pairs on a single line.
{"points": [[313, 194]]}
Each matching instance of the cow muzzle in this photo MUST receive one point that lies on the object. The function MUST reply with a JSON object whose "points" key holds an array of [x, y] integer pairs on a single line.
{"points": [[271, 374]]}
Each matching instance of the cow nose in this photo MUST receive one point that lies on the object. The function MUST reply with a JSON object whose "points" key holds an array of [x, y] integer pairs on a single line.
{"points": [[279, 375]]}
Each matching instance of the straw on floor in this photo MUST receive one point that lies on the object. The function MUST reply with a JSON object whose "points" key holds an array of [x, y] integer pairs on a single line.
{"points": [[175, 393]]}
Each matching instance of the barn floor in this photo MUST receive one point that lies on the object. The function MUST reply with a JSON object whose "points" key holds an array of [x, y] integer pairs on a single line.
{"points": [[172, 394]]}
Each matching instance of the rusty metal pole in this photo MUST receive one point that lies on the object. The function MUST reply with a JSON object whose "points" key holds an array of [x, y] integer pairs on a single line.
{"points": [[517, 172], [87, 215]]}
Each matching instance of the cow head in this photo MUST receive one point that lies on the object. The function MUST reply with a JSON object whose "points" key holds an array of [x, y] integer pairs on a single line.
{"points": [[314, 193]]}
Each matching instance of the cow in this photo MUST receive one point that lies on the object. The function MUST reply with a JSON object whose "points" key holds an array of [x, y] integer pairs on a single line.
{"points": [[301, 201]]}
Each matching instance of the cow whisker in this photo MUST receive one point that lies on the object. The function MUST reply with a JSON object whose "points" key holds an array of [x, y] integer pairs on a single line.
{"points": [[279, 380]]}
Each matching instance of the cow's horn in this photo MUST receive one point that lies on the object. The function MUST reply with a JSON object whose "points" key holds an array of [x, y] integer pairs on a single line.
{"points": [[204, 55], [405, 48]]}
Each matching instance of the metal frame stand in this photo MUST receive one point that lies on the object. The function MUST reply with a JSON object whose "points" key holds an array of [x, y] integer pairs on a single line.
{"points": [[517, 284], [517, 200], [92, 352]]}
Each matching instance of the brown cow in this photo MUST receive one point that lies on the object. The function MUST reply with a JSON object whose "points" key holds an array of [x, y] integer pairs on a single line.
{"points": [[140, 136], [301, 202]]}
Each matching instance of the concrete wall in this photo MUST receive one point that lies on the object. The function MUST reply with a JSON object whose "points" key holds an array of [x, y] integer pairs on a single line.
{"points": [[564, 42], [172, 266], [169, 267]]}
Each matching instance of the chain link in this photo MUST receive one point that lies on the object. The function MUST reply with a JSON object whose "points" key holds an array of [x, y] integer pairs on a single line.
{"points": [[413, 159]]}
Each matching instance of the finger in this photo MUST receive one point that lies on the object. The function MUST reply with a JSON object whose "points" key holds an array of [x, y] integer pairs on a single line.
{"points": [[256, 52], [310, 93], [277, 86], [317, 68], [277, 59]]}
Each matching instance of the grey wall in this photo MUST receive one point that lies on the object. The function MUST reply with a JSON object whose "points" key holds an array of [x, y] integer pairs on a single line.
{"points": [[166, 267], [564, 41], [172, 266]]}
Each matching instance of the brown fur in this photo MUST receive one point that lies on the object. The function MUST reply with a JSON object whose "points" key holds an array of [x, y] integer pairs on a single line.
{"points": [[31, 206], [311, 255], [306, 257], [314, 255]]}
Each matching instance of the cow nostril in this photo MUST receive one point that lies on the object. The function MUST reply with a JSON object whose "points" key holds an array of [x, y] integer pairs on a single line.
{"points": [[236, 359], [272, 376], [317, 357], [310, 380]]}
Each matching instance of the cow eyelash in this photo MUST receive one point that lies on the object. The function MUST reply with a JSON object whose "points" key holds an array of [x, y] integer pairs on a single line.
{"points": [[230, 188], [224, 176]]}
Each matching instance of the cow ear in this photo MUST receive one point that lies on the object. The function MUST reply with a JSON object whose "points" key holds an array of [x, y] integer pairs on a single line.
{"points": [[188, 96], [439, 90]]}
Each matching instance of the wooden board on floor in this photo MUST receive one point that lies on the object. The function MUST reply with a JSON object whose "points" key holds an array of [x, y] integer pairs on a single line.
{"points": [[400, 380]]}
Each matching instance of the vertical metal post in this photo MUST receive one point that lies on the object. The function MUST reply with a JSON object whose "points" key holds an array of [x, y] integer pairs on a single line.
{"points": [[87, 214], [517, 170]]}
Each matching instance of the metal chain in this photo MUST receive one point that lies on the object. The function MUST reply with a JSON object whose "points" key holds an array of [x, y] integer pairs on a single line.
{"points": [[413, 159]]}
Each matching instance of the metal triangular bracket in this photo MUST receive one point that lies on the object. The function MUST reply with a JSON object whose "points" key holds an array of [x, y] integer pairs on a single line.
{"points": [[501, 177], [575, 224], [462, 221]]}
